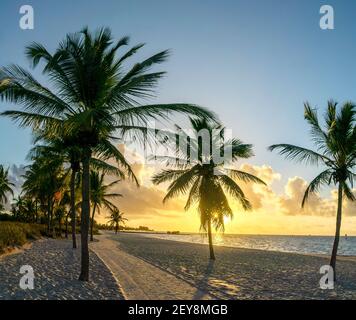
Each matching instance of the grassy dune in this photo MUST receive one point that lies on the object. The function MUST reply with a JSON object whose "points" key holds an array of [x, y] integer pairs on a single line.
{"points": [[17, 234]]}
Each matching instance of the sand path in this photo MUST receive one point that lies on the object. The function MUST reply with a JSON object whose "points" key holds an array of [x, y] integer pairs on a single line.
{"points": [[140, 280]]}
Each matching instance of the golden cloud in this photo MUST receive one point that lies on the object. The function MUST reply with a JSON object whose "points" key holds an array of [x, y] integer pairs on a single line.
{"points": [[144, 205]]}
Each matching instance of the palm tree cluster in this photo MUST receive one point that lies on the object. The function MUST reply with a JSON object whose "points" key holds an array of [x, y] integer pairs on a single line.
{"points": [[90, 95], [93, 98]]}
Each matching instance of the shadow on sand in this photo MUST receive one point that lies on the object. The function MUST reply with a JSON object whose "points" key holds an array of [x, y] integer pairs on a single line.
{"points": [[203, 284]]}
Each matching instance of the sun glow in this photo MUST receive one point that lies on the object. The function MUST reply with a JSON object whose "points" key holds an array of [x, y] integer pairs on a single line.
{"points": [[227, 220]]}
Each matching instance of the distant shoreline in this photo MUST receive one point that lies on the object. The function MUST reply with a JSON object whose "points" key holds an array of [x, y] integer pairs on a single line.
{"points": [[183, 233], [169, 238]]}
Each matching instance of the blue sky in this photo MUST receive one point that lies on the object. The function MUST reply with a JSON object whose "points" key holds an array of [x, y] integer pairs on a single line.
{"points": [[253, 62]]}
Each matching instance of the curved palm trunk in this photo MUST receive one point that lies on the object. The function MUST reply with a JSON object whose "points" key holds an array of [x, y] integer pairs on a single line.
{"points": [[337, 233], [85, 217], [211, 248], [72, 208], [92, 223]]}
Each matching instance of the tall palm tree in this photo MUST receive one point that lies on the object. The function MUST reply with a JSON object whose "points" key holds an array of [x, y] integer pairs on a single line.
{"points": [[5, 185], [100, 196], [204, 178], [116, 217], [92, 96], [335, 151]]}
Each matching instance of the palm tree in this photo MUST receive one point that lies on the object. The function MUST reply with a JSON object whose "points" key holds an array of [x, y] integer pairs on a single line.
{"points": [[336, 152], [17, 207], [29, 210], [100, 195], [204, 179], [56, 147], [44, 178], [91, 98], [5, 185], [116, 217]]}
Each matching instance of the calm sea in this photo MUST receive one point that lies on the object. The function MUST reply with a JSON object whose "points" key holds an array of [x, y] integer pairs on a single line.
{"points": [[298, 244]]}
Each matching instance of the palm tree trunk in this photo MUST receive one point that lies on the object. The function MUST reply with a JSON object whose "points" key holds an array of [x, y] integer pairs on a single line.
{"points": [[85, 217], [72, 208], [211, 248], [51, 220], [36, 210], [337, 233], [48, 217], [66, 232], [60, 226], [116, 227], [92, 223]]}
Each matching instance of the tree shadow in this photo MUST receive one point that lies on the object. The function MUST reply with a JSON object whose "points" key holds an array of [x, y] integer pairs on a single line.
{"points": [[203, 284]]}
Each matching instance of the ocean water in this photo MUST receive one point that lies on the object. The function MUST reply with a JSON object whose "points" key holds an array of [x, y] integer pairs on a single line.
{"points": [[297, 244]]}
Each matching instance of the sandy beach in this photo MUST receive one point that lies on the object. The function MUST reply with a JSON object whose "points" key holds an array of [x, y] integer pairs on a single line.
{"points": [[56, 268], [240, 273], [136, 267]]}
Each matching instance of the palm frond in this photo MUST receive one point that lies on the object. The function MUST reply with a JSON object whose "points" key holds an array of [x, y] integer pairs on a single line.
{"points": [[300, 154], [235, 191], [181, 185], [322, 178], [348, 192], [244, 176], [168, 175]]}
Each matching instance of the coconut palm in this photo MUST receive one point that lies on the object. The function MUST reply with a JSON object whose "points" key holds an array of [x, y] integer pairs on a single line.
{"points": [[92, 96], [44, 178], [5, 185], [100, 196], [204, 177], [56, 147], [335, 152], [17, 207], [116, 217]]}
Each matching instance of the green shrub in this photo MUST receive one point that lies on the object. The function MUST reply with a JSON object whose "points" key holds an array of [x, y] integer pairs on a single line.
{"points": [[17, 234]]}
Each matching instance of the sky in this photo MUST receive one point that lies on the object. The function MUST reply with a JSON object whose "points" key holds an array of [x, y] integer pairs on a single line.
{"points": [[253, 62]]}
